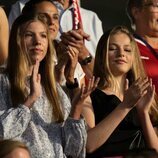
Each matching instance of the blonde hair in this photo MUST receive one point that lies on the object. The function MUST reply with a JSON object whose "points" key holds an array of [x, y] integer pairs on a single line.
{"points": [[7, 146], [102, 69], [19, 61]]}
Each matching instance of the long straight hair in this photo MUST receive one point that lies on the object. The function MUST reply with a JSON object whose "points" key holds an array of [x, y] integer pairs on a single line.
{"points": [[19, 61], [102, 69]]}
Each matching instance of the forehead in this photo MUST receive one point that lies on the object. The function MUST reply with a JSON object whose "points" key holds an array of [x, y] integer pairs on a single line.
{"points": [[46, 6], [34, 25], [120, 36]]}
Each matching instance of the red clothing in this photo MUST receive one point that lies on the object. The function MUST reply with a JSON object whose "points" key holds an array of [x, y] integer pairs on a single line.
{"points": [[150, 62]]}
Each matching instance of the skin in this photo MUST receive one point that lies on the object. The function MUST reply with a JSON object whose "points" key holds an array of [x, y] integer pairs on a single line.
{"points": [[36, 42], [51, 11], [139, 94], [18, 153], [146, 21], [4, 32], [75, 38], [120, 54]]}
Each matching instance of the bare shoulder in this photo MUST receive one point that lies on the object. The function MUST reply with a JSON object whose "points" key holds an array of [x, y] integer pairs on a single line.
{"points": [[3, 18], [2, 15], [2, 12]]}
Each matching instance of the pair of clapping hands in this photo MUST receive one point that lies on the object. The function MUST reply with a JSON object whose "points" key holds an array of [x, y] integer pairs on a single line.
{"points": [[139, 94]]}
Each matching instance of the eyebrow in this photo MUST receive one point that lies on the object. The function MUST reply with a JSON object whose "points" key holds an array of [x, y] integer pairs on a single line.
{"points": [[33, 31]]}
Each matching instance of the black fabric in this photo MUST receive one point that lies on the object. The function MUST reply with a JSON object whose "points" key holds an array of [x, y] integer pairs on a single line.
{"points": [[126, 136]]}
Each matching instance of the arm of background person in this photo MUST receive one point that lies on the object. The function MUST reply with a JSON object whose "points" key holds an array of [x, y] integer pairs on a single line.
{"points": [[4, 36]]}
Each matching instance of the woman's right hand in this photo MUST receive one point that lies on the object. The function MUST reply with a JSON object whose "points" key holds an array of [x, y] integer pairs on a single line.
{"points": [[135, 92], [35, 86], [81, 95]]}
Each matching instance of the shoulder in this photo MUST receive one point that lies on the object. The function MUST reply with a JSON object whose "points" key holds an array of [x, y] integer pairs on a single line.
{"points": [[2, 12], [3, 17]]}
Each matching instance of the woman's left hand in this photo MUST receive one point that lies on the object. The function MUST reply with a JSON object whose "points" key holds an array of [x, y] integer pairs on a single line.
{"points": [[146, 101], [79, 98]]}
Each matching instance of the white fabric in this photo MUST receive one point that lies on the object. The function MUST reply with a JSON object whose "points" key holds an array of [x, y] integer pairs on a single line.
{"points": [[91, 23]]}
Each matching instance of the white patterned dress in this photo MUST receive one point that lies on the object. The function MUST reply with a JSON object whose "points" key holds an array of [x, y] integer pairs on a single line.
{"points": [[45, 139]]}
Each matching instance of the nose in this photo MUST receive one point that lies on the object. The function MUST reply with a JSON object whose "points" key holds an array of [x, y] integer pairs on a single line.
{"points": [[121, 53], [51, 21], [37, 40]]}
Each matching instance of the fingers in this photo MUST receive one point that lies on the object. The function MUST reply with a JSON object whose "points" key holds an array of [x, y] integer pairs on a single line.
{"points": [[92, 84], [74, 37], [35, 71], [141, 85], [151, 88], [73, 54]]}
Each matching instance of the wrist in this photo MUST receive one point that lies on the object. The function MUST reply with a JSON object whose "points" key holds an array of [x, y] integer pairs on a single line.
{"points": [[86, 60], [29, 101], [73, 84]]}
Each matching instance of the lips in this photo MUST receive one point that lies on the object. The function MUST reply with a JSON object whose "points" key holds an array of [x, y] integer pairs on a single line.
{"points": [[120, 61], [52, 30], [36, 50]]}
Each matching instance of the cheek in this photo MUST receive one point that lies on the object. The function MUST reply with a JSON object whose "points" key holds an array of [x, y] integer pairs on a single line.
{"points": [[27, 42], [111, 57], [45, 45], [130, 61]]}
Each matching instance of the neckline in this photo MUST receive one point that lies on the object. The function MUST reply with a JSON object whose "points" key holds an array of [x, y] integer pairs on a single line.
{"points": [[109, 94], [152, 50]]}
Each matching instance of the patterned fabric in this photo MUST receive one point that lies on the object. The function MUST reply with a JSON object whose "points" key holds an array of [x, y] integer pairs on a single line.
{"points": [[45, 138]]}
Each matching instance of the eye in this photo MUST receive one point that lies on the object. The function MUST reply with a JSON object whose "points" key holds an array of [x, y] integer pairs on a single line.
{"points": [[112, 48], [56, 17], [129, 50], [44, 35], [28, 34]]}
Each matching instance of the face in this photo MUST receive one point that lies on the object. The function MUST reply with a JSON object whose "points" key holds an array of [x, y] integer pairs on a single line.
{"points": [[36, 41], [147, 17], [120, 54], [51, 11], [18, 153]]}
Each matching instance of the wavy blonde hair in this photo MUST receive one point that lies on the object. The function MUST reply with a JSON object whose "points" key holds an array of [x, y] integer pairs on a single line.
{"points": [[102, 69], [19, 61]]}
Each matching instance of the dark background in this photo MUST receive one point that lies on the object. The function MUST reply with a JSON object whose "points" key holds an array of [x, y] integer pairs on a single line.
{"points": [[111, 12]]}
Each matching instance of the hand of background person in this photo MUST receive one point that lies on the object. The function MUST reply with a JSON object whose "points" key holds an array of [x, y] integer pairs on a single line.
{"points": [[71, 64], [35, 86], [81, 95], [135, 92], [62, 55], [76, 39], [146, 101]]}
